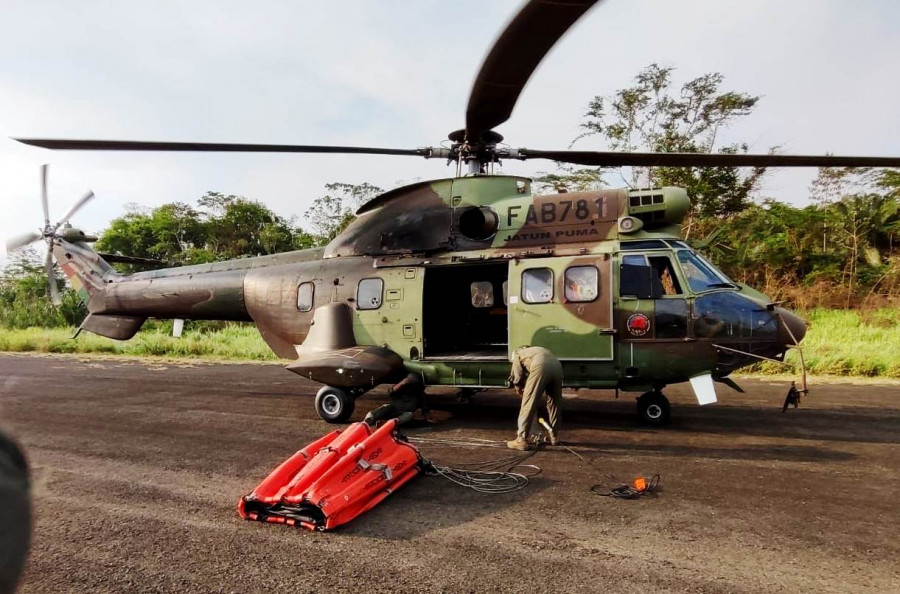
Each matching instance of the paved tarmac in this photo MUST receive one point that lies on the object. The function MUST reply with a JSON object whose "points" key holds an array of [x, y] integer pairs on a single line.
{"points": [[138, 466]]}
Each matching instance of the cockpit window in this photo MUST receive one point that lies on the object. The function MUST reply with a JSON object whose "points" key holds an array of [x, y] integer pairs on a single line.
{"points": [[700, 274], [648, 276], [482, 294], [642, 244], [662, 267]]}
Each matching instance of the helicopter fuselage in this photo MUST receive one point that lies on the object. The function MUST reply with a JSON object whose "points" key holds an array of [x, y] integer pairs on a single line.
{"points": [[450, 276]]}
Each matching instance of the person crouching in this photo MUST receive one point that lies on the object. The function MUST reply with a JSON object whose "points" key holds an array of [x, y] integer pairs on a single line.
{"points": [[536, 372]]}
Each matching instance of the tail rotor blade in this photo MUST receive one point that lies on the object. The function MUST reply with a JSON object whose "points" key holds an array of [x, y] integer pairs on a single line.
{"points": [[44, 200], [75, 208], [51, 277], [14, 243]]}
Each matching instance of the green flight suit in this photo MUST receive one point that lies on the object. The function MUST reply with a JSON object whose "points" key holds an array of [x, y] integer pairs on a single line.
{"points": [[537, 371]]}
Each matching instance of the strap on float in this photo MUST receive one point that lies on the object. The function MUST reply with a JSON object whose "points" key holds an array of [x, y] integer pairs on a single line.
{"points": [[382, 468]]}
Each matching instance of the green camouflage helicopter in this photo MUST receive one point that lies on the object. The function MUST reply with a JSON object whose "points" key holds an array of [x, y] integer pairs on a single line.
{"points": [[446, 278]]}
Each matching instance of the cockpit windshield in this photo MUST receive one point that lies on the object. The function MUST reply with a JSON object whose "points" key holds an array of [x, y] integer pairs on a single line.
{"points": [[700, 274]]}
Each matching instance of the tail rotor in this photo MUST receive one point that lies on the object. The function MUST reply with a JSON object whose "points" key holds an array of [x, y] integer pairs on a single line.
{"points": [[47, 233]]}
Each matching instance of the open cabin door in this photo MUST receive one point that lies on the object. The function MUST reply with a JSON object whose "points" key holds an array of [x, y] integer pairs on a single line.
{"points": [[562, 304]]}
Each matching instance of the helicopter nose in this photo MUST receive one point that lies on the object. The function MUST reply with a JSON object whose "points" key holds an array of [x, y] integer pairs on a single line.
{"points": [[793, 326]]}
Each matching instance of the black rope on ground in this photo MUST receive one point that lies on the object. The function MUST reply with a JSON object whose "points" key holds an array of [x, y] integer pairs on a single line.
{"points": [[626, 491]]}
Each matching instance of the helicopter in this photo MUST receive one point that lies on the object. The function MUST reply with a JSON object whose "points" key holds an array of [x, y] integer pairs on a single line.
{"points": [[446, 278]]}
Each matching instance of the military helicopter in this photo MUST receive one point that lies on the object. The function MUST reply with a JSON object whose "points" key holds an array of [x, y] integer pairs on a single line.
{"points": [[446, 278]]}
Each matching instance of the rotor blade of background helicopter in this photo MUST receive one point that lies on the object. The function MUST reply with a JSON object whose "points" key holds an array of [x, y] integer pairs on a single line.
{"points": [[117, 259], [225, 147], [611, 159], [75, 208], [14, 243], [51, 278], [513, 58], [44, 200]]}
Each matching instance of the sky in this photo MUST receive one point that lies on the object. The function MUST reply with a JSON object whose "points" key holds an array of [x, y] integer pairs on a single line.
{"points": [[397, 74]]}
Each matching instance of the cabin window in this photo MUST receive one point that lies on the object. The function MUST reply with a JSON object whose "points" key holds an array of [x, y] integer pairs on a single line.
{"points": [[305, 294], [369, 293], [482, 294], [581, 284], [537, 285]]}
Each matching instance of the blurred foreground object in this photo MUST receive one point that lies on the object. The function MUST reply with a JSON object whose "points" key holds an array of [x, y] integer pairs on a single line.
{"points": [[15, 514]]}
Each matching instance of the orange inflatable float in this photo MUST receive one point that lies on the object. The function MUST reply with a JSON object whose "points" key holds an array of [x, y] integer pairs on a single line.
{"points": [[335, 478]]}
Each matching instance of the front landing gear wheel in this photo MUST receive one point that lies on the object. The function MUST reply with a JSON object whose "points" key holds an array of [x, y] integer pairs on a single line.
{"points": [[334, 405], [653, 409]]}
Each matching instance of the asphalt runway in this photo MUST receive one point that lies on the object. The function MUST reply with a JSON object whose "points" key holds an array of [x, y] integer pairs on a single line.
{"points": [[137, 468]]}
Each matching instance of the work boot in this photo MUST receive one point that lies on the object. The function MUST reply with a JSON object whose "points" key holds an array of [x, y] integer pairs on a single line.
{"points": [[518, 444]]}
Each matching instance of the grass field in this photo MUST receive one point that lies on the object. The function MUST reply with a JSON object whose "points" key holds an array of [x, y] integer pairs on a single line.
{"points": [[232, 342], [839, 342]]}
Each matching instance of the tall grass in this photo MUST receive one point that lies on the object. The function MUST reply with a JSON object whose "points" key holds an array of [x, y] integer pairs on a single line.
{"points": [[848, 342], [839, 342], [233, 342]]}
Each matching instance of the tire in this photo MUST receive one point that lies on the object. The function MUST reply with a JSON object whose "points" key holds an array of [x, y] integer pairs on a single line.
{"points": [[334, 405], [653, 409]]}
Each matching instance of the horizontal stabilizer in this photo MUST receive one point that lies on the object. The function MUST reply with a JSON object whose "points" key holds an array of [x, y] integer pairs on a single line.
{"points": [[117, 327]]}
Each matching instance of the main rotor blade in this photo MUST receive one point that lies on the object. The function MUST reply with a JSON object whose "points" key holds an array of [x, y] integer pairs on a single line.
{"points": [[44, 202], [613, 159], [223, 147], [14, 243], [512, 60], [75, 208], [51, 277]]}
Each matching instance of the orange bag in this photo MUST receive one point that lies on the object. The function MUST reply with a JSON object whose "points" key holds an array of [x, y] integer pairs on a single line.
{"points": [[335, 478]]}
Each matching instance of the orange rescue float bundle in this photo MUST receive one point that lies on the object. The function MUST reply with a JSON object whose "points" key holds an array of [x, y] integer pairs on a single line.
{"points": [[335, 478]]}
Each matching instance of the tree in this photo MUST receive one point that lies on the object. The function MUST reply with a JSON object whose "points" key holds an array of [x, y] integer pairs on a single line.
{"points": [[24, 294], [169, 233], [652, 116], [330, 214], [249, 228]]}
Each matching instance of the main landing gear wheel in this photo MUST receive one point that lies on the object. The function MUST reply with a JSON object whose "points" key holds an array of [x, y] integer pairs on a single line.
{"points": [[653, 409], [334, 405]]}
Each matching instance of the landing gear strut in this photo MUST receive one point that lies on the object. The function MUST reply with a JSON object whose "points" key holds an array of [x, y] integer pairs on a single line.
{"points": [[335, 405], [653, 408]]}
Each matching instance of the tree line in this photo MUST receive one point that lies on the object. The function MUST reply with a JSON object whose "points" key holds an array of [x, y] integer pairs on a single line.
{"points": [[839, 251]]}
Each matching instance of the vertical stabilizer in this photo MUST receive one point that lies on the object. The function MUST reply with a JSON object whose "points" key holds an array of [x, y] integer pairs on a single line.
{"points": [[89, 275]]}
